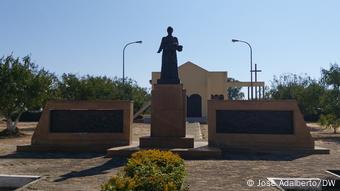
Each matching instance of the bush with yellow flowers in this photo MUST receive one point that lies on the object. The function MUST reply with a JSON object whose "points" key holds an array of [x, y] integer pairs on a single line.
{"points": [[149, 170], [119, 183]]}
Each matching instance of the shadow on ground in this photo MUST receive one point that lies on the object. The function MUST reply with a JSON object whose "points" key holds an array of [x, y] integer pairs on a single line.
{"points": [[29, 129], [55, 155], [101, 169], [328, 138], [5, 135], [262, 156]]}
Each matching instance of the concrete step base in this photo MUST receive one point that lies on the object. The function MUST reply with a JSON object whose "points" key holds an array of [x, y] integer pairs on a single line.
{"points": [[166, 142], [201, 150]]}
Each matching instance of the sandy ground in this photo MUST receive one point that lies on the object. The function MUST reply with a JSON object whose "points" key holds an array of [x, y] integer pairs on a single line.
{"points": [[87, 171]]}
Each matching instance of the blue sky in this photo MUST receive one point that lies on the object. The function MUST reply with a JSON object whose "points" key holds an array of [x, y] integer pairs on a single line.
{"points": [[87, 37]]}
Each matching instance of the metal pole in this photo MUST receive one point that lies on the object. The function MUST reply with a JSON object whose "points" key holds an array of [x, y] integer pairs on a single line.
{"points": [[251, 64], [248, 92], [263, 92], [256, 85], [259, 92], [124, 63], [255, 81], [251, 68], [124, 57]]}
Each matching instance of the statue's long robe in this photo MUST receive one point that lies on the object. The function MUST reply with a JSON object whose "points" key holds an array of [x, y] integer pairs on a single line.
{"points": [[169, 71]]}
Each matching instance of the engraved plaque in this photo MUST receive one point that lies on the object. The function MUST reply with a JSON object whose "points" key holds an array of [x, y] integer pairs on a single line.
{"points": [[254, 122], [86, 121]]}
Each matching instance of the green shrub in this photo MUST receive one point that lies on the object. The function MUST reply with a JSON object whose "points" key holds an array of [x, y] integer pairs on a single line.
{"points": [[149, 170], [119, 183], [330, 121]]}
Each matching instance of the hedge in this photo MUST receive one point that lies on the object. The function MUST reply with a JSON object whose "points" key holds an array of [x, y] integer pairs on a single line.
{"points": [[149, 170]]}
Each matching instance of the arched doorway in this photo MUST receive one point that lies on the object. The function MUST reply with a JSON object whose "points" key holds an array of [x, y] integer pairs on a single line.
{"points": [[194, 106]]}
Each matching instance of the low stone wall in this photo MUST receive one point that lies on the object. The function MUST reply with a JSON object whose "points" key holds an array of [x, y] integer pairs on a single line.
{"points": [[82, 126], [257, 125]]}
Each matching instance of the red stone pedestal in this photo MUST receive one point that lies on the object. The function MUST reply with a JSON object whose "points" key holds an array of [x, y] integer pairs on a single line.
{"points": [[168, 112]]}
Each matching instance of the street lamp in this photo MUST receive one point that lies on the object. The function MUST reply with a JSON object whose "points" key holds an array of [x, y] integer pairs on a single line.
{"points": [[139, 42], [251, 65]]}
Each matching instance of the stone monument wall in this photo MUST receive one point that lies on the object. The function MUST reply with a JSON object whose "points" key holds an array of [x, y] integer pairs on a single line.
{"points": [[82, 126], [257, 125]]}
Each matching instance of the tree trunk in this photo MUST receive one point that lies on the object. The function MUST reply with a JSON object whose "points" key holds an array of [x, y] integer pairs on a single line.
{"points": [[334, 130], [11, 126]]}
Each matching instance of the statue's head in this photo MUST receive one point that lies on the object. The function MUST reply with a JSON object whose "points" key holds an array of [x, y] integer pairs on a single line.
{"points": [[170, 30]]}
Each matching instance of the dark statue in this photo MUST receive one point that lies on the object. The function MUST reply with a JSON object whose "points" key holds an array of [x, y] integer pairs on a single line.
{"points": [[169, 46]]}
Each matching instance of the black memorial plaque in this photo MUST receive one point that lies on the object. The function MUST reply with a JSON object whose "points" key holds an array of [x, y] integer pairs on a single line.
{"points": [[86, 121], [254, 122]]}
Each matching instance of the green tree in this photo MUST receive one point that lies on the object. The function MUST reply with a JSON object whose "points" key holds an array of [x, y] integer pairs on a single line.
{"points": [[308, 92], [23, 87], [234, 93], [89, 87], [331, 100], [71, 87], [129, 90], [330, 121], [331, 77]]}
